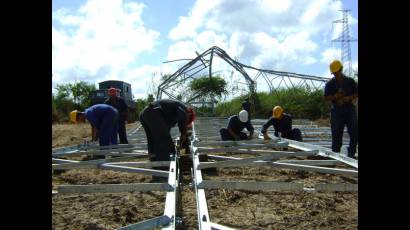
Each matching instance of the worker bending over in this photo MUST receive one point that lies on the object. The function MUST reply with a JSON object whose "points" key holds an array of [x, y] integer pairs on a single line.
{"points": [[157, 119], [341, 91], [282, 123], [103, 120], [235, 126]]}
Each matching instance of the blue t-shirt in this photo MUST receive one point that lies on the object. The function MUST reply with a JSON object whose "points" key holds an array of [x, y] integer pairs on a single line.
{"points": [[237, 125], [96, 113], [348, 86]]}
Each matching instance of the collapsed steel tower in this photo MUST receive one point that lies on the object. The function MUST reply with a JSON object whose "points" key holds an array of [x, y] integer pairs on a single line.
{"points": [[196, 67]]}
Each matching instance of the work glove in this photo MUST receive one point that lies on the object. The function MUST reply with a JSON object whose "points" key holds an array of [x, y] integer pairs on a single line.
{"points": [[339, 95], [347, 99]]}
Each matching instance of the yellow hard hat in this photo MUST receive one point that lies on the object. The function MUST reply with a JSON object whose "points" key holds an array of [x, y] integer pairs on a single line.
{"points": [[73, 116], [277, 111], [335, 66]]}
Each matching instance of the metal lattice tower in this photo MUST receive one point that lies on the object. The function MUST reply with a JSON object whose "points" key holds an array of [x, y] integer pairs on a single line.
{"points": [[345, 39]]}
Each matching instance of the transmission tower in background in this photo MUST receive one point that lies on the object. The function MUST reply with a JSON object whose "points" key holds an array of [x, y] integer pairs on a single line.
{"points": [[345, 39]]}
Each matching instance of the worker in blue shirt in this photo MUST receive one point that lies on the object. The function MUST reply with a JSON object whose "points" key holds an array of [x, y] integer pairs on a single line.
{"points": [[342, 91], [122, 108], [282, 123], [157, 119], [103, 120], [235, 126]]}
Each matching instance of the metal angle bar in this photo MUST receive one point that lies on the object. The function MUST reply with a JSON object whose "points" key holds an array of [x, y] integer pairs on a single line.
{"points": [[340, 187], [215, 226], [95, 152], [113, 188], [246, 161], [252, 185], [97, 147], [62, 161], [322, 152], [232, 143], [152, 172], [148, 224], [201, 205], [171, 199], [312, 162], [232, 149], [147, 164], [316, 169], [87, 164], [216, 157], [242, 150]]}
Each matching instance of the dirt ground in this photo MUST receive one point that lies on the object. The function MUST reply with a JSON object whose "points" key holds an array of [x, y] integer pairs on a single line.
{"points": [[72, 134], [235, 208]]}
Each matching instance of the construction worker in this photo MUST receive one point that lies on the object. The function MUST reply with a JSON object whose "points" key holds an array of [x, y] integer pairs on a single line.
{"points": [[103, 120], [282, 123], [341, 91], [122, 108], [157, 119], [246, 105], [235, 126]]}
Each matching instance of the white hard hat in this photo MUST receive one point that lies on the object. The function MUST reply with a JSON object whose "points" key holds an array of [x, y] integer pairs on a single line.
{"points": [[243, 116]]}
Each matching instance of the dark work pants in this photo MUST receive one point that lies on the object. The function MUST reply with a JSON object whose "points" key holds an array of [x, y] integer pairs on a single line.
{"points": [[225, 135], [107, 132], [122, 132], [295, 134], [338, 119], [159, 140]]}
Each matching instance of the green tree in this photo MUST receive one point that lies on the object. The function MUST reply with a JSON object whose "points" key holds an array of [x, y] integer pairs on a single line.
{"points": [[150, 98], [72, 96]]}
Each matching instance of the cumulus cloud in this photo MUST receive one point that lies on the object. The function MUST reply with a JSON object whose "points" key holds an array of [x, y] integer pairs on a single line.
{"points": [[101, 40], [275, 34]]}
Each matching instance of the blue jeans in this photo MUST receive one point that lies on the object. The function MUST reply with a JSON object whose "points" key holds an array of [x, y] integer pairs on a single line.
{"points": [[339, 117], [108, 130]]}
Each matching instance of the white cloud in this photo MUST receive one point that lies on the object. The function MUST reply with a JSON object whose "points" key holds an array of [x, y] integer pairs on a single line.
{"points": [[329, 55], [101, 40], [275, 34]]}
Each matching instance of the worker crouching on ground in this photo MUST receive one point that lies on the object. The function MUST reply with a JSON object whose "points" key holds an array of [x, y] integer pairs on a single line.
{"points": [[103, 120], [282, 123], [235, 126], [341, 91], [157, 119], [122, 108]]}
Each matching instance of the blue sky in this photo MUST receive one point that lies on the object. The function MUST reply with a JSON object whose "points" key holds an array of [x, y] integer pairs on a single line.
{"points": [[96, 40]]}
